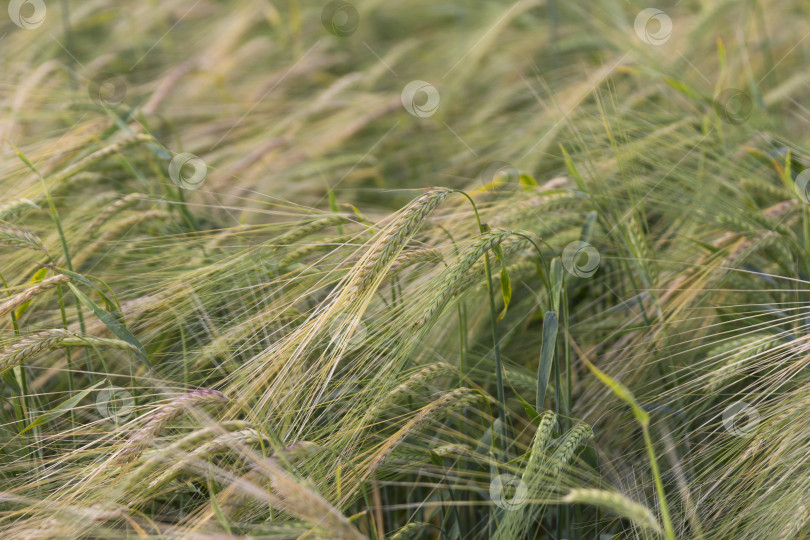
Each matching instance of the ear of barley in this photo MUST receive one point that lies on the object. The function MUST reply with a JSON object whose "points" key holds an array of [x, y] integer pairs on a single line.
{"points": [[299, 500], [616, 503], [413, 529], [394, 237], [410, 385], [575, 437], [162, 416], [13, 209], [448, 450], [742, 351], [199, 457], [796, 523], [451, 280], [414, 257], [112, 209], [326, 244], [98, 155], [19, 299], [13, 236], [455, 400], [232, 499], [30, 346], [119, 228], [517, 522], [307, 229]]}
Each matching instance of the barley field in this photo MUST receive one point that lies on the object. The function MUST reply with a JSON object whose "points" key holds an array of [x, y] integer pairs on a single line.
{"points": [[282, 269]]}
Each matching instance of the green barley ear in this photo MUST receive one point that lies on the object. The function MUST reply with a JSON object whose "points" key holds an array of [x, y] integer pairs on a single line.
{"points": [[451, 281], [615, 503], [13, 209], [13, 236], [576, 437]]}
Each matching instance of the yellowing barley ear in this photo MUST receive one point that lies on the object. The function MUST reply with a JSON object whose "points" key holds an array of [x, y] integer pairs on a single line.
{"points": [[112, 209], [393, 238], [19, 299], [162, 416], [31, 345]]}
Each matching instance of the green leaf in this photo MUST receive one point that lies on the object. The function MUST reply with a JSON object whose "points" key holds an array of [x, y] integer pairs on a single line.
{"points": [[60, 409], [333, 205], [110, 321], [556, 283], [550, 325], [527, 180], [506, 283], [534, 416], [572, 170]]}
